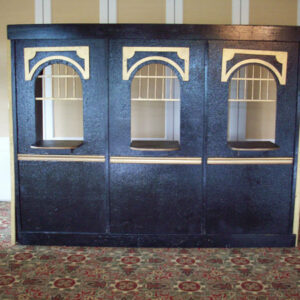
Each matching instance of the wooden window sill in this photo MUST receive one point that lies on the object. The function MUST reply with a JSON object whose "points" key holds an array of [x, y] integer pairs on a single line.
{"points": [[155, 145], [56, 144], [252, 146]]}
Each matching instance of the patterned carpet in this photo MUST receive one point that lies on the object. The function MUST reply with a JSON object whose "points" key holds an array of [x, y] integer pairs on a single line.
{"points": [[144, 273]]}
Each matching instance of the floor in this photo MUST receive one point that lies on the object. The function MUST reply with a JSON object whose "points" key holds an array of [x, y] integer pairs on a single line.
{"points": [[56, 273]]}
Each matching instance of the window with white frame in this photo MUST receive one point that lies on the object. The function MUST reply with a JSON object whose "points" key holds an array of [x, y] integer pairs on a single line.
{"points": [[155, 105], [252, 105], [59, 103]]}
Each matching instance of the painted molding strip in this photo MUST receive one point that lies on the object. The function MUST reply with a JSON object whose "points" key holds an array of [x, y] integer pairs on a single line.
{"points": [[156, 160], [66, 158], [182, 52], [228, 54], [81, 51], [250, 160]]}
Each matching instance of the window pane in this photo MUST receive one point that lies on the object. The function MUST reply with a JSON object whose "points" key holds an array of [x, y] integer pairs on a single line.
{"points": [[252, 105], [155, 104], [59, 103]]}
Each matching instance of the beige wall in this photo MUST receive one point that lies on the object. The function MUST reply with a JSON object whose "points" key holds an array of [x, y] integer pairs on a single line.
{"points": [[75, 11], [207, 11], [273, 12], [141, 11], [11, 12]]}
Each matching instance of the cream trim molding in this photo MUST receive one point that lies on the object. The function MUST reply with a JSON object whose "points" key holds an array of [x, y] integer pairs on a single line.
{"points": [[66, 158], [81, 51], [250, 160], [228, 54], [13, 230], [182, 52], [156, 160]]}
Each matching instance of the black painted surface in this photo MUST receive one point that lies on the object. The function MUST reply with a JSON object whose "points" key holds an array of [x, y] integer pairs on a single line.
{"points": [[158, 240], [156, 199], [252, 146], [157, 31], [102, 204], [248, 199], [57, 144], [155, 145], [62, 196]]}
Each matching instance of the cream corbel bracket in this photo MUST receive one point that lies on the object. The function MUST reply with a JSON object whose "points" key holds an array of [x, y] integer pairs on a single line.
{"points": [[228, 54], [81, 51], [182, 52]]}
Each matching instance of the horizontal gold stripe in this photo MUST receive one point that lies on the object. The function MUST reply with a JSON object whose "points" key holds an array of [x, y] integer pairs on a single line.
{"points": [[68, 158], [249, 161], [156, 160]]}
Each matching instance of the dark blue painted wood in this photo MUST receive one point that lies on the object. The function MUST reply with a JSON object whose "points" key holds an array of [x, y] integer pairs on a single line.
{"points": [[102, 204], [14, 130], [296, 156], [157, 240], [157, 199], [249, 199], [62, 196], [157, 31]]}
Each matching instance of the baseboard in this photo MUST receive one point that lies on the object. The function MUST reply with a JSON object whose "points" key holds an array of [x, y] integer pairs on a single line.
{"points": [[5, 178], [156, 240]]}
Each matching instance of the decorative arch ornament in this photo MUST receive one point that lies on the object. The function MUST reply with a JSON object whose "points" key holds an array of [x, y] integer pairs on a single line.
{"points": [[81, 51], [182, 52], [281, 57]]}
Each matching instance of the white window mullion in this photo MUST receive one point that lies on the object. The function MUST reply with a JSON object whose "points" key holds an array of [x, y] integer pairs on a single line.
{"points": [[238, 113], [48, 107], [244, 12], [43, 16], [47, 12], [178, 12], [242, 107], [240, 12], [112, 12], [103, 14], [174, 15], [170, 11], [236, 12], [108, 11], [39, 11], [298, 12]]}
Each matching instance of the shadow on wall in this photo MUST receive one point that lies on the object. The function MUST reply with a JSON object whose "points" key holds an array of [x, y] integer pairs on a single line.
{"points": [[5, 186]]}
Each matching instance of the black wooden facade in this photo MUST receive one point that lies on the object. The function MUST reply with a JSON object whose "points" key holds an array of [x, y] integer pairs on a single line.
{"points": [[245, 201]]}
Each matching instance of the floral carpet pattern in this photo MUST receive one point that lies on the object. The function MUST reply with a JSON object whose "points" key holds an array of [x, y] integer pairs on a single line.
{"points": [[57, 273]]}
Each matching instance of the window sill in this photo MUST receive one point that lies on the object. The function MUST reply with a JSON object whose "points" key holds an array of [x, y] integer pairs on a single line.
{"points": [[56, 144], [252, 146], [155, 145]]}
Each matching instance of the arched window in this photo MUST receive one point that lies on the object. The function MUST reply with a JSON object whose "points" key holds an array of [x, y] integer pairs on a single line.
{"points": [[252, 109], [155, 109], [59, 106]]}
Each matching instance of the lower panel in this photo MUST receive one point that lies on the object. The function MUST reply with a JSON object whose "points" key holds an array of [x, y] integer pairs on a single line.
{"points": [[155, 240], [62, 196], [249, 199], [155, 199]]}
